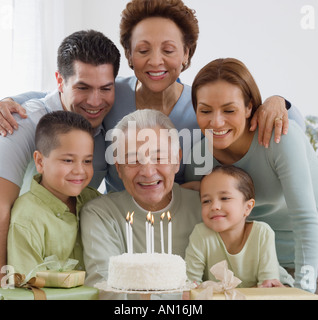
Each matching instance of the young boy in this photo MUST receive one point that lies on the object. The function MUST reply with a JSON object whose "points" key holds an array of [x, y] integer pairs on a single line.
{"points": [[45, 220], [227, 198]]}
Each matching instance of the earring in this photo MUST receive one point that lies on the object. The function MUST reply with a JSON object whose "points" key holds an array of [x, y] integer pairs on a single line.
{"points": [[185, 65]]}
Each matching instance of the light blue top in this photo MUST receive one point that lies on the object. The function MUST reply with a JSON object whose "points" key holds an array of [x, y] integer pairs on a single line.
{"points": [[286, 184], [182, 116], [17, 165]]}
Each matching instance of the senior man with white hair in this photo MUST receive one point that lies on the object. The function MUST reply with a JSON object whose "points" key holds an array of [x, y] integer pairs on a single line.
{"points": [[147, 168]]}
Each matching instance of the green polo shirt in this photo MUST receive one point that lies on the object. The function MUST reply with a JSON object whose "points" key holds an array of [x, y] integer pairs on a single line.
{"points": [[42, 225]]}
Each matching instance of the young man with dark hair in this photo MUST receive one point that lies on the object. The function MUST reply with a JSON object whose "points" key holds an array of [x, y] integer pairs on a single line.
{"points": [[88, 63]]}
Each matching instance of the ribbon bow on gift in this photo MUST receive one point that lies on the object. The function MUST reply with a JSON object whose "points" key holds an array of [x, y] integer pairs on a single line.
{"points": [[56, 266], [53, 263], [33, 284], [228, 283]]}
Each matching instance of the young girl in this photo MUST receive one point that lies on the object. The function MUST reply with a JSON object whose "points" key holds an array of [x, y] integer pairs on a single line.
{"points": [[285, 175], [227, 198]]}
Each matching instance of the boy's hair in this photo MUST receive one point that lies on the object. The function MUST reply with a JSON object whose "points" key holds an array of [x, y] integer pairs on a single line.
{"points": [[244, 181], [91, 47], [55, 123]]}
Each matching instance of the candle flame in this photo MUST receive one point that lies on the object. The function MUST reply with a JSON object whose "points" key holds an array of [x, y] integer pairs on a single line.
{"points": [[169, 216], [162, 216], [152, 219], [132, 217], [149, 216], [127, 217]]}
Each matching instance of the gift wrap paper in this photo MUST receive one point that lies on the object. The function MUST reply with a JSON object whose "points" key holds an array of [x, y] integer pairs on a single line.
{"points": [[79, 293], [64, 279], [264, 294]]}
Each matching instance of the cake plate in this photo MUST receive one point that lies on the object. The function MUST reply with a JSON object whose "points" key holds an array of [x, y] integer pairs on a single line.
{"points": [[144, 294]]}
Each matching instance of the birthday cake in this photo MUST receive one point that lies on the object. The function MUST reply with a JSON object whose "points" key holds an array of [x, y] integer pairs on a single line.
{"points": [[147, 272]]}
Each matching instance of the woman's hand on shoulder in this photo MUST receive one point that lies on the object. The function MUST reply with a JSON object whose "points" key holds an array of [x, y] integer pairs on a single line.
{"points": [[272, 114], [7, 121]]}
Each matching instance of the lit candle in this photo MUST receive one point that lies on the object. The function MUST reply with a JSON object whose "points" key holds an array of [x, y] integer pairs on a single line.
{"points": [[127, 233], [131, 232], [161, 233], [147, 235], [148, 222], [152, 234], [169, 233]]}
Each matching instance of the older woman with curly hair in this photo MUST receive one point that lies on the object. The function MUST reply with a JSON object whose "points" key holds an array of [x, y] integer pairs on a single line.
{"points": [[160, 38]]}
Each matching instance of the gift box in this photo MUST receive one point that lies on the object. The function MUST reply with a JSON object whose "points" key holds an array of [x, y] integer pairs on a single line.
{"points": [[78, 293], [262, 294], [62, 279], [226, 289], [69, 283], [60, 274]]}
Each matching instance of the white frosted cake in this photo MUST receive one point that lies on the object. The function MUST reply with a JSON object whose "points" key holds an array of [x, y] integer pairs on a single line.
{"points": [[147, 272]]}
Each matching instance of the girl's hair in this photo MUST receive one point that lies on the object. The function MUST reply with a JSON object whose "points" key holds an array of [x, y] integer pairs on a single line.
{"points": [[244, 181]]}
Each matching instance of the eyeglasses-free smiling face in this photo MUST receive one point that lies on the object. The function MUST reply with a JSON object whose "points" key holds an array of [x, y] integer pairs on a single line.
{"points": [[224, 208], [89, 92], [148, 173], [157, 53], [221, 107], [68, 169]]}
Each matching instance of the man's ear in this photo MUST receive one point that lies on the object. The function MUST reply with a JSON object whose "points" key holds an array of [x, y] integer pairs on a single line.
{"points": [[38, 159], [117, 168], [60, 81]]}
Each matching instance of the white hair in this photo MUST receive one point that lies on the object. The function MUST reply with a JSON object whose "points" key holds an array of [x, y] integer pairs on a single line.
{"points": [[149, 119]]}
